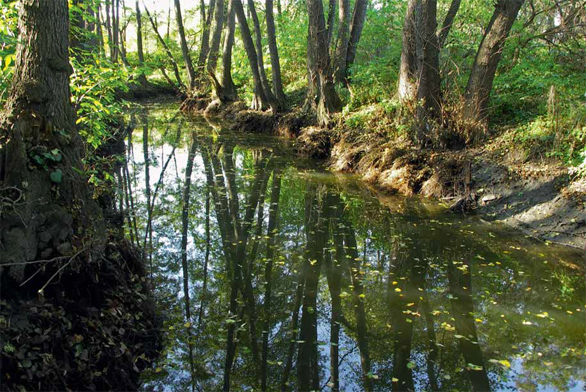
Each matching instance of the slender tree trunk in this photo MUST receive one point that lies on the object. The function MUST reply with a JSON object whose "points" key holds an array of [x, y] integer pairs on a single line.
{"points": [[294, 334], [115, 30], [331, 20], [99, 26], [442, 34], [342, 40], [261, 100], [216, 36], [166, 48], [321, 81], [358, 18], [139, 48], [184, 47], [228, 89], [109, 29], [274, 53], [487, 60], [205, 39], [148, 235], [409, 69]]}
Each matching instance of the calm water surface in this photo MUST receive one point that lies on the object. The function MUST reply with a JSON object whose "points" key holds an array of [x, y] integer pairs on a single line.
{"points": [[273, 273]]}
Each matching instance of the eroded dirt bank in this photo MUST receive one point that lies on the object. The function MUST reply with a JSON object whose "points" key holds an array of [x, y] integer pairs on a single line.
{"points": [[539, 198]]}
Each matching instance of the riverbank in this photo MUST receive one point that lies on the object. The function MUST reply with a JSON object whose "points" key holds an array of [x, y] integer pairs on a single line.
{"points": [[495, 180]]}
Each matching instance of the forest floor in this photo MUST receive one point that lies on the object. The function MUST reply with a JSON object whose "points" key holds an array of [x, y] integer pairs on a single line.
{"points": [[495, 180]]}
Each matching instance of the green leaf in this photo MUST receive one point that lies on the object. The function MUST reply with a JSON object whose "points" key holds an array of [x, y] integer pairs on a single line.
{"points": [[57, 176]]}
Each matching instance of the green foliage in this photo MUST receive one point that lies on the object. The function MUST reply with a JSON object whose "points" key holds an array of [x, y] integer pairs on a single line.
{"points": [[8, 39]]}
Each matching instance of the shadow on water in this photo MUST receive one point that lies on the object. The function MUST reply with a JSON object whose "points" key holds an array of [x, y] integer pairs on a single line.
{"points": [[273, 274]]}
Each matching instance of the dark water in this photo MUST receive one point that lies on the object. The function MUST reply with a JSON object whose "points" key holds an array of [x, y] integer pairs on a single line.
{"points": [[300, 279]]}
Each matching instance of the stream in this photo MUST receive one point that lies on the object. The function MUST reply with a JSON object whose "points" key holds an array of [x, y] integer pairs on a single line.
{"points": [[274, 274]]}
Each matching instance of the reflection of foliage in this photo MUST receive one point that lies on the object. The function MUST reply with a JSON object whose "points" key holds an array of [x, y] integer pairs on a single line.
{"points": [[527, 302]]}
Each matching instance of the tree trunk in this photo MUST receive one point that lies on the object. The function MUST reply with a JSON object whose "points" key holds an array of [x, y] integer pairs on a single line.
{"points": [[487, 60], [261, 101], [428, 92], [274, 53], [216, 37], [272, 100], [39, 118], [166, 48], [227, 84], [115, 30], [322, 96], [358, 18], [139, 48], [331, 20], [109, 29], [342, 40], [99, 25], [205, 39], [443, 33], [184, 48], [409, 69]]}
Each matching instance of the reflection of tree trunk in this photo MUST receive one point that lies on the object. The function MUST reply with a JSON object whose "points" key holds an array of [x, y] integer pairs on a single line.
{"points": [[148, 232], [206, 259], [271, 233], [460, 284], [307, 360], [431, 338], [334, 276], [358, 300], [294, 325], [184, 265]]}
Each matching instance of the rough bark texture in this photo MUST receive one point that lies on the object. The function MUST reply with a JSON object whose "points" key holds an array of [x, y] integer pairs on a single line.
{"points": [[487, 61], [184, 47], [322, 96], [428, 92], [205, 39], [39, 118], [409, 69], [274, 52]]}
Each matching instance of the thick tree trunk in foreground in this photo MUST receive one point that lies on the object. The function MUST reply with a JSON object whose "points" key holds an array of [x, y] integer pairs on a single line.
{"points": [[487, 61], [322, 96], [184, 48], [274, 52], [261, 100], [409, 69], [39, 119]]}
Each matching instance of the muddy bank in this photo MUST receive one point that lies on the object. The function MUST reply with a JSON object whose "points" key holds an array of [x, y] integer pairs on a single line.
{"points": [[540, 199]]}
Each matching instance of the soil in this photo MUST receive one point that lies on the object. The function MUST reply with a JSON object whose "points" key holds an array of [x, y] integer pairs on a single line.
{"points": [[495, 182]]}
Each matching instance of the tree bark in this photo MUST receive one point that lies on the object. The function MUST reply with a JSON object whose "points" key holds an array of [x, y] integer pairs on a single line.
{"points": [[322, 96], [261, 100], [274, 53], [358, 18], [38, 117], [184, 48], [205, 39], [109, 29], [228, 89], [216, 37], [428, 91], [342, 40], [272, 100], [487, 60], [443, 33], [409, 69]]}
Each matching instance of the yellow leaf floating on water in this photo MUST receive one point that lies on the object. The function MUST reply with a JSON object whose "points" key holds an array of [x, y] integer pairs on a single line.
{"points": [[502, 362], [398, 290]]}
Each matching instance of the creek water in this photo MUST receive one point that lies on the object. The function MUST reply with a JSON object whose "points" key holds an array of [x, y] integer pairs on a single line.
{"points": [[273, 273]]}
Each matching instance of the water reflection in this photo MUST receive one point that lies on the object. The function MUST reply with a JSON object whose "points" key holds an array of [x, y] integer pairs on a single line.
{"points": [[274, 275]]}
